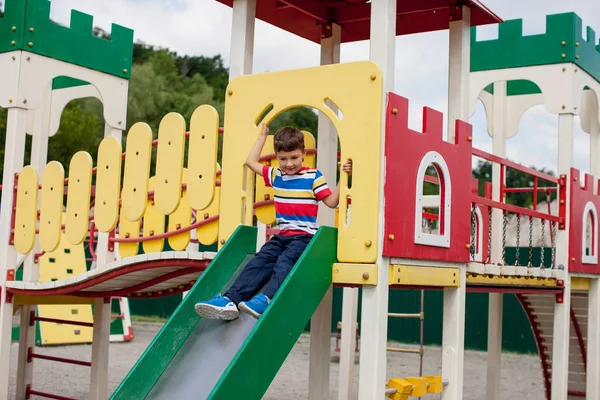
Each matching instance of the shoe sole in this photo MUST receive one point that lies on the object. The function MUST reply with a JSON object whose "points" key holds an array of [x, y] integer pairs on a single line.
{"points": [[243, 307], [212, 312]]}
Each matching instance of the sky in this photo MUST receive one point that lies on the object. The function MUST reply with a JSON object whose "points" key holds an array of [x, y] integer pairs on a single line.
{"points": [[203, 27]]}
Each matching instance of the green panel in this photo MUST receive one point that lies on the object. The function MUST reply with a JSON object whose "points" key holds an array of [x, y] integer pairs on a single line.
{"points": [[513, 50], [144, 374], [64, 82], [517, 88], [14, 16], [35, 32], [252, 370], [116, 325]]}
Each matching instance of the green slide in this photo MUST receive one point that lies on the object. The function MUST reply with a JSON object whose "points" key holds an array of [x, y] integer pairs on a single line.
{"points": [[195, 358]]}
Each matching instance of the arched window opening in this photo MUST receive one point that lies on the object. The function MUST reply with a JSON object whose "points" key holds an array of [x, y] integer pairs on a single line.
{"points": [[589, 242]]}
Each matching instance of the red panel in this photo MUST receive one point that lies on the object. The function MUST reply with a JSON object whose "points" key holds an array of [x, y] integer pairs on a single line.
{"points": [[404, 151], [306, 18], [580, 196]]}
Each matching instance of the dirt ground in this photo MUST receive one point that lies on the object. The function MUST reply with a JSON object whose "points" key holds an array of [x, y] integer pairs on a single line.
{"points": [[521, 375]]}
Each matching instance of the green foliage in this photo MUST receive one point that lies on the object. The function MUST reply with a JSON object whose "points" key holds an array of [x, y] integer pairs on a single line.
{"points": [[303, 118]]}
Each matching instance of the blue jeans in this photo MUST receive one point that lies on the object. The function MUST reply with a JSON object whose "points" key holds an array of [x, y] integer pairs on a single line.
{"points": [[271, 265]]}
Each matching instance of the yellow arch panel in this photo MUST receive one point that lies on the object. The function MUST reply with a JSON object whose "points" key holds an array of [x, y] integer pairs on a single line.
{"points": [[169, 163], [181, 218], [108, 184], [309, 144], [154, 223], [209, 233], [128, 229], [356, 89], [51, 213], [202, 156], [265, 214], [78, 197], [137, 171], [26, 213]]}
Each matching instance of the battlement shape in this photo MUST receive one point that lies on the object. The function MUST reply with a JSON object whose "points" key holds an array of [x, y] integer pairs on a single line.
{"points": [[584, 203], [563, 42], [26, 25]]}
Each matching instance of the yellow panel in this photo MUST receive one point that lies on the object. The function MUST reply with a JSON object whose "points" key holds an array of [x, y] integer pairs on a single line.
{"points": [[129, 229], [309, 144], [137, 170], [265, 214], [356, 89], [78, 197], [181, 218], [404, 275], [169, 163], [511, 280], [51, 213], [154, 224], [202, 156], [209, 233], [26, 213], [108, 184], [355, 274], [27, 300], [65, 262], [579, 284]]}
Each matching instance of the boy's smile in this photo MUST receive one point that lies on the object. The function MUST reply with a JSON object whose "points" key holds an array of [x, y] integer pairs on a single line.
{"points": [[290, 161]]}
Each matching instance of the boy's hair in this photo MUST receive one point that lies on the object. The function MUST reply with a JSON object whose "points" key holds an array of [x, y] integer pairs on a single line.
{"points": [[288, 139]]}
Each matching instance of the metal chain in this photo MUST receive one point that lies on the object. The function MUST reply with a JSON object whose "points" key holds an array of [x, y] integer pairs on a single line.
{"points": [[473, 232], [553, 245], [543, 243], [518, 239], [530, 242], [504, 222], [489, 254]]}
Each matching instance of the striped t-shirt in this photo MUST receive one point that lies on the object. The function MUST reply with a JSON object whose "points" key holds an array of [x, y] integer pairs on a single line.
{"points": [[296, 198]]}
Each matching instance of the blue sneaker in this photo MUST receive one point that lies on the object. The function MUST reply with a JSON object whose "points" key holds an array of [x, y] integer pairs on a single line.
{"points": [[218, 307], [255, 307]]}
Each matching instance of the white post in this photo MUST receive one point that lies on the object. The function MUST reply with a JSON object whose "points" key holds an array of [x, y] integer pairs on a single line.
{"points": [[348, 343], [39, 156], [101, 331], [592, 387], [459, 70], [562, 321], [320, 324], [453, 339], [494, 353], [242, 38], [100, 347], [374, 318], [14, 151]]}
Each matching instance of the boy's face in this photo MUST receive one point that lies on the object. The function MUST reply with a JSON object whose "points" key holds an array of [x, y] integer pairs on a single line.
{"points": [[291, 161]]}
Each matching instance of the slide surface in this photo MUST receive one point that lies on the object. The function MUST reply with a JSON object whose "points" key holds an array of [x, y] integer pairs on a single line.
{"points": [[195, 358]]}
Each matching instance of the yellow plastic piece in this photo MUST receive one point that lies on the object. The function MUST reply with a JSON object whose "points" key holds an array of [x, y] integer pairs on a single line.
{"points": [[202, 156], [405, 275], [181, 218], [356, 89], [108, 184], [419, 386], [78, 197], [435, 384], [51, 213], [579, 284], [66, 261], [169, 163], [310, 144], [265, 214], [209, 233], [403, 389], [26, 213], [154, 224], [128, 229], [355, 274], [511, 280], [137, 171]]}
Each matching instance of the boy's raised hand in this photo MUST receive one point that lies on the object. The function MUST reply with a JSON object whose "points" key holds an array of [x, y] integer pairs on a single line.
{"points": [[265, 130], [347, 167]]}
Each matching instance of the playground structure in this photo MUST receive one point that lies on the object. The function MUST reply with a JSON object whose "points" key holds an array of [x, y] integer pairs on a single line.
{"points": [[380, 245]]}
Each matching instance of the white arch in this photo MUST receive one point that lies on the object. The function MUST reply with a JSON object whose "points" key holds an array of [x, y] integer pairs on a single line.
{"points": [[479, 233], [592, 258], [442, 240]]}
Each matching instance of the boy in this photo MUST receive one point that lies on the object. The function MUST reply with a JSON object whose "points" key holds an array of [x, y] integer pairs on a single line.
{"points": [[298, 191]]}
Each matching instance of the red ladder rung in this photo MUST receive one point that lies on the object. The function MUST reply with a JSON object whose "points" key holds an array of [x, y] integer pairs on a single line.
{"points": [[31, 355], [46, 395]]}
